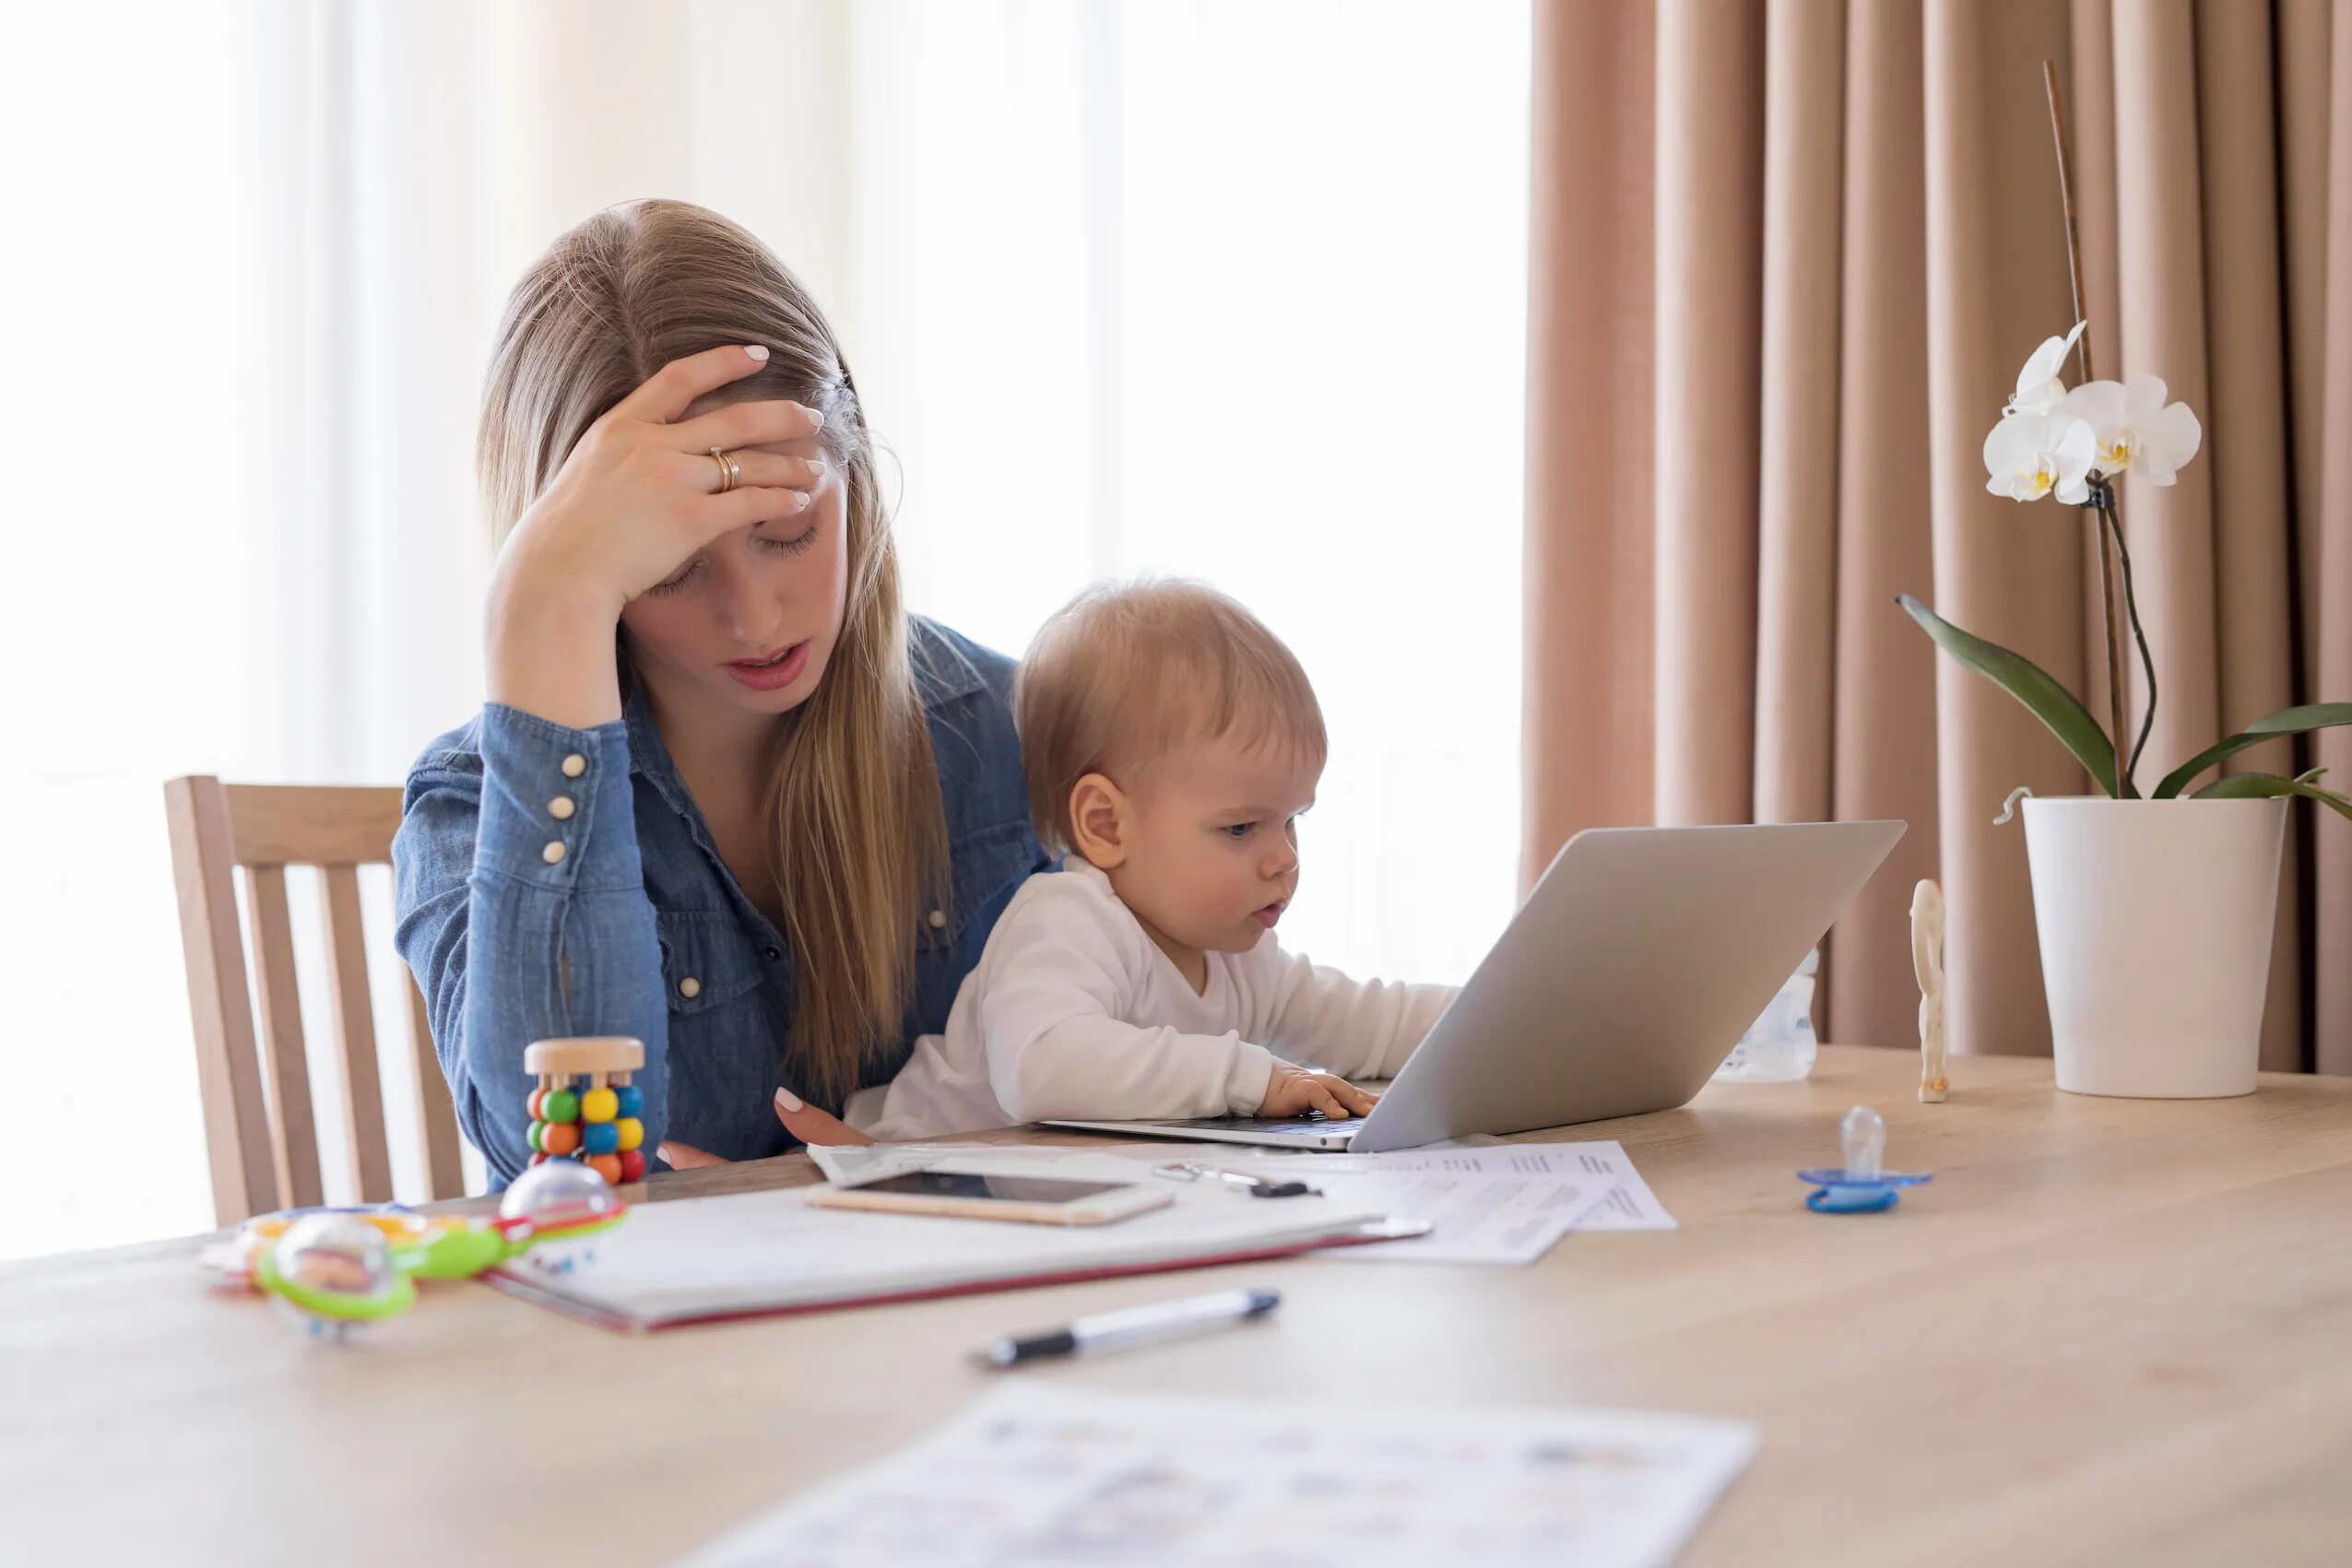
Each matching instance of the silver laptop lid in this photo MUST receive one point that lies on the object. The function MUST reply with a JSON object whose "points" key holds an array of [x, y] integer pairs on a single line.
{"points": [[1629, 974]]}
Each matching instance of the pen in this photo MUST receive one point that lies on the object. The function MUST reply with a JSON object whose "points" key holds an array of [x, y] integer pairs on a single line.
{"points": [[1135, 1325], [1257, 1186]]}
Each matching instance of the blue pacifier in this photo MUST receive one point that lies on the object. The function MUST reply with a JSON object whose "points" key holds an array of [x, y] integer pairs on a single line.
{"points": [[1860, 1187]]}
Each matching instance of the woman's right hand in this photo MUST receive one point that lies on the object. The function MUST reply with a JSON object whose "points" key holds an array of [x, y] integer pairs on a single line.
{"points": [[634, 499]]}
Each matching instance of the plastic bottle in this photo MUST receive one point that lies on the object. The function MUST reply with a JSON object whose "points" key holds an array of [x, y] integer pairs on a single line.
{"points": [[1780, 1047]]}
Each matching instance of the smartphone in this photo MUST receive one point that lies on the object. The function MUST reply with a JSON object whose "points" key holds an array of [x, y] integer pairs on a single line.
{"points": [[1035, 1200]]}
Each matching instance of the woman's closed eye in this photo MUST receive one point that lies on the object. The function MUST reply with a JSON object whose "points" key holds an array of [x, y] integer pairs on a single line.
{"points": [[694, 568], [793, 545]]}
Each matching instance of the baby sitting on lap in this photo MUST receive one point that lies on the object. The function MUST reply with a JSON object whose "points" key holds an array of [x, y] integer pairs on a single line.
{"points": [[1171, 742]]}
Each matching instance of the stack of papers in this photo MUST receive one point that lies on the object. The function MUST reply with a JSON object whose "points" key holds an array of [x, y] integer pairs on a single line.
{"points": [[1628, 1205], [1046, 1473], [1497, 1203]]}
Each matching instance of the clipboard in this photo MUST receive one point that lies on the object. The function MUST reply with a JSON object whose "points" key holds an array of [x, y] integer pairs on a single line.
{"points": [[551, 1294]]}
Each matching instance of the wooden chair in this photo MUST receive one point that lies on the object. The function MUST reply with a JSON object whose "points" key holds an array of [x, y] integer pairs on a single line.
{"points": [[263, 1146]]}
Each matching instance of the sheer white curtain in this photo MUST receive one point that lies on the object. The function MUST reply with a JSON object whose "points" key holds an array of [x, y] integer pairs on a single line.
{"points": [[1230, 290]]}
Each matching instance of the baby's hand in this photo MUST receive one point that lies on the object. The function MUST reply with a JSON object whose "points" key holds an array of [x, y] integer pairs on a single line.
{"points": [[1294, 1091]]}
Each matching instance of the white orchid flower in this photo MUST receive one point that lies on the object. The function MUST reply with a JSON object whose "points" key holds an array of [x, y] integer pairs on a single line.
{"points": [[2031, 456], [2038, 388], [2133, 429]]}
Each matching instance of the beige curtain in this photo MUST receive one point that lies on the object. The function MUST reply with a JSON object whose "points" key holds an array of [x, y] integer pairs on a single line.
{"points": [[1788, 259]]}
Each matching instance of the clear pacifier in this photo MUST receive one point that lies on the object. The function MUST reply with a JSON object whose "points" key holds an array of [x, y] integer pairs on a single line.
{"points": [[1859, 1186]]}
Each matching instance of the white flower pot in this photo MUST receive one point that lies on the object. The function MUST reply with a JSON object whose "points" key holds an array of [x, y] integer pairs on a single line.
{"points": [[2155, 920]]}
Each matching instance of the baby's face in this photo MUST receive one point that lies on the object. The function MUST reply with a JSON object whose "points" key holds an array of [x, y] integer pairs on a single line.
{"points": [[1213, 854]]}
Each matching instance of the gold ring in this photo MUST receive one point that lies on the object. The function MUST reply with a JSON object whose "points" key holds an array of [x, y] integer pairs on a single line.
{"points": [[729, 474]]}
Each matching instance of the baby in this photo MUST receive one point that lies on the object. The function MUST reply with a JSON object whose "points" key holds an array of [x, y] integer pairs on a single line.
{"points": [[1171, 743]]}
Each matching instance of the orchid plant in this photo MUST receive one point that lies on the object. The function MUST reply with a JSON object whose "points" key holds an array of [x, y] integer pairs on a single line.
{"points": [[2073, 444]]}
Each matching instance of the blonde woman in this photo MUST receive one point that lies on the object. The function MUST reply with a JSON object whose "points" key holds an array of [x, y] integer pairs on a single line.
{"points": [[725, 794]]}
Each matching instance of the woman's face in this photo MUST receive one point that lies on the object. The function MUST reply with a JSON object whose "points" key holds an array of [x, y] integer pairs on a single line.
{"points": [[750, 622]]}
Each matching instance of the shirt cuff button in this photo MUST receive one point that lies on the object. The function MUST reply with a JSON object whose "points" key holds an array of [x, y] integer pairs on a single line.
{"points": [[560, 807], [553, 852], [690, 986], [574, 765]]}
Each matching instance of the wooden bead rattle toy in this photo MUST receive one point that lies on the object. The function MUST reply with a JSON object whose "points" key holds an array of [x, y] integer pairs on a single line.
{"points": [[584, 1107]]}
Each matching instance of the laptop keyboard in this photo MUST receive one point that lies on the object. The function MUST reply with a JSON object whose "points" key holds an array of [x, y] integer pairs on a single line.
{"points": [[1316, 1125]]}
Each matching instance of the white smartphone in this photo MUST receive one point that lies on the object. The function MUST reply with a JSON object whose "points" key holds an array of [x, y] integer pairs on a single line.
{"points": [[1034, 1200]]}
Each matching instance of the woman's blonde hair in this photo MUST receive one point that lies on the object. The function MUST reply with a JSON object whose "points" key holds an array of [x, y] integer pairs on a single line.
{"points": [[852, 797], [1124, 675]]}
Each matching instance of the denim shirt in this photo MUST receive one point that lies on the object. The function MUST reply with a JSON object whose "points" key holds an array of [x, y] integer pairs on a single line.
{"points": [[635, 925]]}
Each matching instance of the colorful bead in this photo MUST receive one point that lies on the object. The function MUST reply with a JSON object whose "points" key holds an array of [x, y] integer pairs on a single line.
{"points": [[606, 1165], [632, 1164], [632, 1132], [599, 1105], [600, 1137], [539, 1130], [561, 1137], [629, 1101], [562, 1106], [541, 1158], [538, 1104]]}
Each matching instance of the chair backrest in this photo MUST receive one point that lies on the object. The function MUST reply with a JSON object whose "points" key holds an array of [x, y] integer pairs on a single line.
{"points": [[259, 1117]]}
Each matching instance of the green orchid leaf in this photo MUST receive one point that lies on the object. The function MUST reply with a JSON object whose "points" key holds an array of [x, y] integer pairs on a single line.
{"points": [[2261, 787], [2286, 721], [2031, 685]]}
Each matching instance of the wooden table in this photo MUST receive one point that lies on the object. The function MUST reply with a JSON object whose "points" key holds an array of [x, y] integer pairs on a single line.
{"points": [[2110, 1331]]}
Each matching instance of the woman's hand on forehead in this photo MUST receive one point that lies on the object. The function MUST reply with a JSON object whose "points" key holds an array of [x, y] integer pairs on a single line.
{"points": [[637, 494]]}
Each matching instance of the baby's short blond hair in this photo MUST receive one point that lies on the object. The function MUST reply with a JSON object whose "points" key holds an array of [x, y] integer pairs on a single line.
{"points": [[1126, 673]]}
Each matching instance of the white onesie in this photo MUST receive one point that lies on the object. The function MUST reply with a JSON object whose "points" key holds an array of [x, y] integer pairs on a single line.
{"points": [[1074, 1011]]}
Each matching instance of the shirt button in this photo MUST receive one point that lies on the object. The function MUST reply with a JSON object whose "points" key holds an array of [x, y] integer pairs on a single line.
{"points": [[937, 919], [560, 807], [574, 765], [553, 852], [690, 986]]}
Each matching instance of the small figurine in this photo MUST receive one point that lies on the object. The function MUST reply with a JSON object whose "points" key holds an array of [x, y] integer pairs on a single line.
{"points": [[1861, 1184], [1926, 960], [594, 1122]]}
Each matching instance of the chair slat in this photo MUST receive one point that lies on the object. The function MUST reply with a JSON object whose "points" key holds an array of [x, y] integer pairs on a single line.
{"points": [[444, 1169], [236, 1124], [355, 1031], [304, 825], [285, 1061], [260, 1108]]}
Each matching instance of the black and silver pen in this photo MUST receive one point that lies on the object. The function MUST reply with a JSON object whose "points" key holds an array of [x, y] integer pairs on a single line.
{"points": [[1134, 1325]]}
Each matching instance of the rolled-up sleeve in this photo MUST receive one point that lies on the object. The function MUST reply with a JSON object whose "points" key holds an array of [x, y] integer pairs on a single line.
{"points": [[522, 913]]}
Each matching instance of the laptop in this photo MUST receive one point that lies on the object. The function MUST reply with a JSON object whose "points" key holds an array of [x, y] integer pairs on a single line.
{"points": [[1618, 988]]}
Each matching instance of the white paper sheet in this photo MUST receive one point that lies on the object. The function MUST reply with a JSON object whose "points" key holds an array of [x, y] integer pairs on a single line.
{"points": [[1038, 1473], [1600, 1168], [1629, 1206], [1477, 1218]]}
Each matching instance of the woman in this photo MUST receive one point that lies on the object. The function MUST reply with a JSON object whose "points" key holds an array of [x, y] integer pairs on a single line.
{"points": [[726, 796]]}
